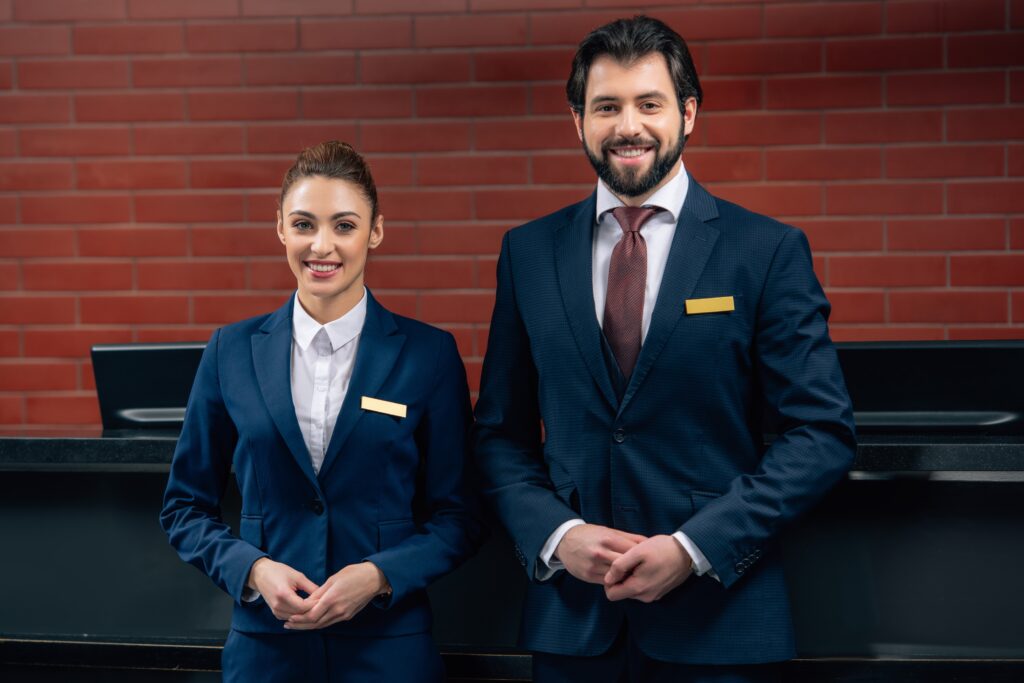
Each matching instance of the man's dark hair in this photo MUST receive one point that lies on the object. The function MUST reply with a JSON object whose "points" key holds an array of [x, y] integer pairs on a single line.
{"points": [[625, 41]]}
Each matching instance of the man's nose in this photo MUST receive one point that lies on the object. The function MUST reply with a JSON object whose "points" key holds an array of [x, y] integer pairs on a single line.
{"points": [[629, 124]]}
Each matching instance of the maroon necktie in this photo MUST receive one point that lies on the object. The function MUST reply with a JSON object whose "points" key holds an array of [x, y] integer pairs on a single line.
{"points": [[627, 277]]}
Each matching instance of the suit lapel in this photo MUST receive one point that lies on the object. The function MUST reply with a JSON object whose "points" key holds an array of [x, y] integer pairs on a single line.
{"points": [[574, 263], [379, 347], [271, 355], [691, 247]]}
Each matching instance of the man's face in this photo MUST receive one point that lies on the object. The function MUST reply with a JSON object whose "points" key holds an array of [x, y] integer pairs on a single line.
{"points": [[631, 126]]}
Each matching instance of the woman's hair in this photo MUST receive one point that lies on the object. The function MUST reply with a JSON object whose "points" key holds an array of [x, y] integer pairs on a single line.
{"points": [[332, 159]]}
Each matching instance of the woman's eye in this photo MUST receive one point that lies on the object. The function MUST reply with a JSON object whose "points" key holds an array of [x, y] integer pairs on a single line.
{"points": [[345, 227], [302, 225]]}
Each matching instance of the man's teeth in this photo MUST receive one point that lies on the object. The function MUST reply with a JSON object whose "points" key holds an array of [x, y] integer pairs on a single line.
{"points": [[322, 267], [635, 152]]}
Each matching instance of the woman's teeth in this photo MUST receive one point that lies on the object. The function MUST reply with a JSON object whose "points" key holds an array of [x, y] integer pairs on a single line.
{"points": [[322, 267]]}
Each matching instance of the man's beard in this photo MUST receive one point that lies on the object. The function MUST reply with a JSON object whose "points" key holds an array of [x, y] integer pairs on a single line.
{"points": [[630, 182]]}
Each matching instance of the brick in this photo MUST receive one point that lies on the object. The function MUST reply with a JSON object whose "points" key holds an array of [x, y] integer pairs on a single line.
{"points": [[420, 273], [111, 175], [472, 170], [220, 310], [1017, 234], [6, 76], [723, 94], [191, 139], [526, 134], [562, 169], [35, 108], [944, 161], [823, 19], [250, 173], [986, 197], [29, 40], [391, 170], [503, 5], [62, 410], [188, 207], [37, 310], [884, 54], [238, 241], [993, 49], [8, 142], [129, 39], [8, 210], [407, 6], [60, 276], [939, 88], [250, 36], [884, 198], [293, 8], [271, 275], [476, 238], [456, 308], [355, 33], [1016, 13], [70, 342], [356, 103], [889, 126], [857, 307], [135, 310], [974, 333], [299, 70], [186, 72], [182, 9], [990, 270], [761, 129], [80, 73], [291, 138], [263, 204], [415, 137], [948, 307], [191, 275], [1018, 307], [35, 175], [414, 67], [519, 65], [547, 98], [74, 142], [852, 92], [886, 271], [243, 105], [11, 410], [49, 242], [130, 106], [9, 277], [946, 234], [471, 30], [474, 101], [940, 16], [34, 375], [822, 164], [167, 334], [1015, 160], [997, 124], [400, 241], [842, 235], [724, 165], [889, 333], [763, 58], [132, 241], [525, 203], [773, 199], [425, 205], [68, 10], [76, 208]]}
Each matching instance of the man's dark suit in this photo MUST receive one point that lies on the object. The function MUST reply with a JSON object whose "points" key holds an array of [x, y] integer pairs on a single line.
{"points": [[680, 447]]}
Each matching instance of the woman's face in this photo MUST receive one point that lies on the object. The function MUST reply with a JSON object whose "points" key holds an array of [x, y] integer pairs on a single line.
{"points": [[326, 228]]}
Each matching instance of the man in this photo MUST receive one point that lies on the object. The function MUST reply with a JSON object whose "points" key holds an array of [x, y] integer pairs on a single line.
{"points": [[639, 341]]}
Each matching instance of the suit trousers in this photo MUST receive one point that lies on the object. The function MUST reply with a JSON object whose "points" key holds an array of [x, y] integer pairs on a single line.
{"points": [[314, 657]]}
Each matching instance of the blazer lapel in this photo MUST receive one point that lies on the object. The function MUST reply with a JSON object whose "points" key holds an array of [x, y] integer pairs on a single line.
{"points": [[574, 263], [691, 247], [379, 348], [271, 355]]}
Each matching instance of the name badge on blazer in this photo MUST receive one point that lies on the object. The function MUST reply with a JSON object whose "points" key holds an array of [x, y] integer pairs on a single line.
{"points": [[386, 407], [716, 304]]}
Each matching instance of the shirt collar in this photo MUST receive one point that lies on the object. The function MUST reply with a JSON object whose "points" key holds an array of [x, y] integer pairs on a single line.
{"points": [[669, 197], [340, 331]]}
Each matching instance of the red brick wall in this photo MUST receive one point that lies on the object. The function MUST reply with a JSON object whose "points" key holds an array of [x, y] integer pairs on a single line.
{"points": [[141, 142]]}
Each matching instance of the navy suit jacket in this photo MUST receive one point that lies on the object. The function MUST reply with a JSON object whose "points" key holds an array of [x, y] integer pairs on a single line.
{"points": [[681, 447], [390, 490]]}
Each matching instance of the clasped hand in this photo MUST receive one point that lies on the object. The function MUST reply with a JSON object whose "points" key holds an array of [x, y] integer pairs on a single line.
{"points": [[627, 565], [340, 598]]}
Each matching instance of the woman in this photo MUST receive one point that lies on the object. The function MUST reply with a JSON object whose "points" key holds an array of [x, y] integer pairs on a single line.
{"points": [[345, 425]]}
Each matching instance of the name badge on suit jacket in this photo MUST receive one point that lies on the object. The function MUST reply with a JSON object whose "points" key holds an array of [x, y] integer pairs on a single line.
{"points": [[717, 304], [386, 407]]}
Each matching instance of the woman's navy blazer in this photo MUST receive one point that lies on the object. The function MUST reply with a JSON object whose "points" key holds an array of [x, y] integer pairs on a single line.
{"points": [[390, 490]]}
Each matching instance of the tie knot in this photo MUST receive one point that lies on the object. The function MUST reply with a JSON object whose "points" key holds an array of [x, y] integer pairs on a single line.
{"points": [[632, 218]]}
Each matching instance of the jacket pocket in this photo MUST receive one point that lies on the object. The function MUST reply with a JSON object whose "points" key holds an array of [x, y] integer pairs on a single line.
{"points": [[250, 529], [391, 533]]}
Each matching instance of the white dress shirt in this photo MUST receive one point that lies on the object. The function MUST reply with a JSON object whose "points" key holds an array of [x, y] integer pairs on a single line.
{"points": [[658, 232], [322, 360]]}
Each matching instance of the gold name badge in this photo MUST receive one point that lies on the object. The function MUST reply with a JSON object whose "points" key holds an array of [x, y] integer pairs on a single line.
{"points": [[386, 407], [717, 304]]}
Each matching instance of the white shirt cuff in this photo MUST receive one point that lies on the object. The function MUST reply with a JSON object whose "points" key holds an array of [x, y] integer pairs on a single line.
{"points": [[701, 565], [250, 594], [548, 565]]}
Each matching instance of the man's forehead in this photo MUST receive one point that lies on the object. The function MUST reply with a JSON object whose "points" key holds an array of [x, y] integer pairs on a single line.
{"points": [[647, 73]]}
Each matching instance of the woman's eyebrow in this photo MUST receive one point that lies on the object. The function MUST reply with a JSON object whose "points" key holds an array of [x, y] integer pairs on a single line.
{"points": [[340, 214]]}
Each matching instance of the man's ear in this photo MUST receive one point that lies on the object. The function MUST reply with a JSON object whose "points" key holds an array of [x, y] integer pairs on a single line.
{"points": [[577, 118], [689, 115]]}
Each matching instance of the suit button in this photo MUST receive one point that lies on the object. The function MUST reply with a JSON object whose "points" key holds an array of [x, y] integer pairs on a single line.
{"points": [[316, 506], [619, 436]]}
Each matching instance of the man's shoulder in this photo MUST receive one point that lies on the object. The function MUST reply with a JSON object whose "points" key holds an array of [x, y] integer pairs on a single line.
{"points": [[545, 226], [738, 218]]}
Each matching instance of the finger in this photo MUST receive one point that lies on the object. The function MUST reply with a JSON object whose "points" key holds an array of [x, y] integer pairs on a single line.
{"points": [[620, 543], [635, 538], [301, 583], [622, 567], [620, 591]]}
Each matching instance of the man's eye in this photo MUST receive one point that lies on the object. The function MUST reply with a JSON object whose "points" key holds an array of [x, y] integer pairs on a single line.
{"points": [[649, 106]]}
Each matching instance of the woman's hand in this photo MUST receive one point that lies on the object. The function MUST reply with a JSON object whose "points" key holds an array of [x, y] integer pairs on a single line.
{"points": [[341, 597], [279, 585]]}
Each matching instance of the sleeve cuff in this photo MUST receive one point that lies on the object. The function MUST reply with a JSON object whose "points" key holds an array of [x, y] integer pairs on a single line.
{"points": [[547, 564], [701, 565]]}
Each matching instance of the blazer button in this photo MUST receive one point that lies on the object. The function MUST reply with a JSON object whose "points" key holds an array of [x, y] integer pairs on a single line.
{"points": [[619, 436], [316, 506]]}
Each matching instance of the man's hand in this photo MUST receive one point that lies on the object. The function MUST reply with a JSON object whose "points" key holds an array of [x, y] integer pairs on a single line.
{"points": [[279, 585], [341, 597], [648, 570], [588, 550]]}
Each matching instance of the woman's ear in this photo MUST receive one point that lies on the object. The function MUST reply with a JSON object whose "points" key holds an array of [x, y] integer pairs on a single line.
{"points": [[377, 232]]}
